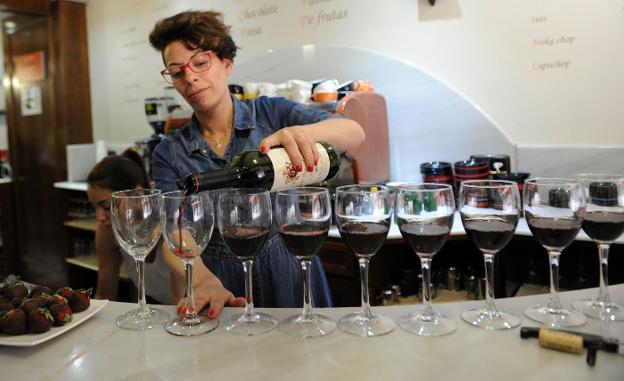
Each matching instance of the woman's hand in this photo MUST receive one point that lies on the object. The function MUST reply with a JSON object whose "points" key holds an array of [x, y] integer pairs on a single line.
{"points": [[298, 143], [211, 293]]}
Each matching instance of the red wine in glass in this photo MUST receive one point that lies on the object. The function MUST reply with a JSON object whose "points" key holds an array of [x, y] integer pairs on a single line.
{"points": [[426, 237], [179, 251], [364, 238], [553, 232], [604, 226], [490, 234], [245, 241], [304, 240]]}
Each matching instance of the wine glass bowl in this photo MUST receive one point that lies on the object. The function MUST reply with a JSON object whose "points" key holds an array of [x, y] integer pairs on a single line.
{"points": [[303, 217], [603, 223], [244, 218], [187, 222], [135, 219], [424, 213], [554, 209], [489, 210], [363, 216]]}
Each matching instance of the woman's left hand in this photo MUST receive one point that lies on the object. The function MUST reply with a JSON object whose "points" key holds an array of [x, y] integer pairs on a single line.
{"points": [[300, 147]]}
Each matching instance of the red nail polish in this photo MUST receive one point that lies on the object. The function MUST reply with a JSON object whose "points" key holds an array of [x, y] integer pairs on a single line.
{"points": [[262, 149], [299, 168], [310, 168], [316, 162]]}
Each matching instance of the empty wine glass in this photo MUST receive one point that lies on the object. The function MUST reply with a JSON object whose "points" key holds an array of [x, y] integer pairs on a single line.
{"points": [[363, 215], [490, 210], [244, 220], [424, 214], [303, 216], [603, 223], [187, 223], [135, 217], [554, 210]]}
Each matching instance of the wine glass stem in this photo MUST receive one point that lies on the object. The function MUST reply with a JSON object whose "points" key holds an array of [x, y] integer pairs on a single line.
{"points": [[366, 310], [140, 266], [306, 266], [554, 302], [603, 251], [249, 307], [191, 313], [489, 282], [425, 264]]}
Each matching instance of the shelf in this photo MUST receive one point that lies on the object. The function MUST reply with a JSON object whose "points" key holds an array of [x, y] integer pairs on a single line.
{"points": [[88, 225], [71, 185], [90, 263]]}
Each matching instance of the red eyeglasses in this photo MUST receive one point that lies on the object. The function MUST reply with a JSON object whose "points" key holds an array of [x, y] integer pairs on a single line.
{"points": [[197, 64]]}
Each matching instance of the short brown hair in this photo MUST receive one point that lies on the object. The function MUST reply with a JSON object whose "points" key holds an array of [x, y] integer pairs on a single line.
{"points": [[197, 30]]}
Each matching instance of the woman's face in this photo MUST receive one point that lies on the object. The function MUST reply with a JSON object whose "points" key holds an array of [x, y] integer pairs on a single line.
{"points": [[101, 200], [203, 91]]}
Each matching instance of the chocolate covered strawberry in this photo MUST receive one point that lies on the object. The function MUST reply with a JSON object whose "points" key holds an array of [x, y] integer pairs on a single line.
{"points": [[79, 300], [15, 290], [40, 320], [39, 290], [55, 299], [61, 313], [29, 305], [65, 292], [14, 322]]}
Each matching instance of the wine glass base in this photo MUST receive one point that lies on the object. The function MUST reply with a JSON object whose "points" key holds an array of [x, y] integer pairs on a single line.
{"points": [[482, 318], [555, 317], [600, 310], [422, 325], [359, 324], [307, 327], [199, 326], [139, 320], [257, 324]]}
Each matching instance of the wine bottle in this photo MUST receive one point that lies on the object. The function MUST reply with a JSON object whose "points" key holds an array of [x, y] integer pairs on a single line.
{"points": [[273, 171]]}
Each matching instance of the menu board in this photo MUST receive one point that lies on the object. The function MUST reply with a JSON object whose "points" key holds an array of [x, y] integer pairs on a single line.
{"points": [[546, 71]]}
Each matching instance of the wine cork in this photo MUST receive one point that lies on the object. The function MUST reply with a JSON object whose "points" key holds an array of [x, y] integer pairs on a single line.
{"points": [[561, 341]]}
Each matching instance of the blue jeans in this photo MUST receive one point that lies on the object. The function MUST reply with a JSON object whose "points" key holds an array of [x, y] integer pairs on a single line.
{"points": [[277, 275]]}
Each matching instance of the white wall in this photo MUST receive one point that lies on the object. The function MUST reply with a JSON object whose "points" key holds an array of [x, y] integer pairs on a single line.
{"points": [[547, 72]]}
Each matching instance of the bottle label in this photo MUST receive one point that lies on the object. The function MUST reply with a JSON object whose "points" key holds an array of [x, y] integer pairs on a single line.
{"points": [[286, 175]]}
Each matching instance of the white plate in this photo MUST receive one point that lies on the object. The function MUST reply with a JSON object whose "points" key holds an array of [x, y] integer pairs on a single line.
{"points": [[31, 339]]}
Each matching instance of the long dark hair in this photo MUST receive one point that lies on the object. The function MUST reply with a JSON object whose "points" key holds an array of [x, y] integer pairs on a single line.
{"points": [[119, 172]]}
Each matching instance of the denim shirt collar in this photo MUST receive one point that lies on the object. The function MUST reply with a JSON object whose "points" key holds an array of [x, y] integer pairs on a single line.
{"points": [[193, 140]]}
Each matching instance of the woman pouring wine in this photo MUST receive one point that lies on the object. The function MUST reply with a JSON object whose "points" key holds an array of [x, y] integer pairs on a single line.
{"points": [[198, 53]]}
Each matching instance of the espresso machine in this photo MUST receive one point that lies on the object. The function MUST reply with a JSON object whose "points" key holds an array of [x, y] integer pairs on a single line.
{"points": [[156, 110]]}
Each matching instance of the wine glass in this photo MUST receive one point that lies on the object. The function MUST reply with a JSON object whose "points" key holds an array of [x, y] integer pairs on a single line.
{"points": [[363, 215], [135, 217], [490, 210], [603, 223], [303, 217], [244, 220], [187, 222], [424, 213], [554, 210]]}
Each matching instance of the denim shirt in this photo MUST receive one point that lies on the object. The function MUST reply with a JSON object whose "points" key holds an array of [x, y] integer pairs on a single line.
{"points": [[185, 150], [276, 275]]}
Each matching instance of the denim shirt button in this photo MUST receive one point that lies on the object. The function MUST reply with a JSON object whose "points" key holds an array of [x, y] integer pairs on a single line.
{"points": [[204, 150]]}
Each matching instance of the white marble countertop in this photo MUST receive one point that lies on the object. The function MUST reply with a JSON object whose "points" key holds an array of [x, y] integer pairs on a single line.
{"points": [[458, 230], [98, 350]]}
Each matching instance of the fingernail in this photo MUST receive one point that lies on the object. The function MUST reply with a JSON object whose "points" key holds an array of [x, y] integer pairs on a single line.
{"points": [[299, 168], [211, 313], [316, 162], [310, 168], [263, 149]]}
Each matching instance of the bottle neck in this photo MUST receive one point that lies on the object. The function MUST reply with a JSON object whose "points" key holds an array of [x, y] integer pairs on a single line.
{"points": [[224, 178]]}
